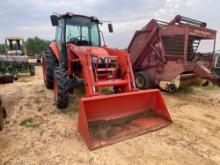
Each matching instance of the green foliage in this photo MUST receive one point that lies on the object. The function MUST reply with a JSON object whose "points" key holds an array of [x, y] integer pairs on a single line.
{"points": [[36, 45], [2, 48]]}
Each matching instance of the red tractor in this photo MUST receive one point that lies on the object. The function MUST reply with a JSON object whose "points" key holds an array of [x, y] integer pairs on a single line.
{"points": [[77, 57]]}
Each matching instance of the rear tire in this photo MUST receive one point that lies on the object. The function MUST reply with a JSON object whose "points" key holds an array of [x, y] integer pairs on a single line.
{"points": [[49, 63], [142, 81], [61, 88]]}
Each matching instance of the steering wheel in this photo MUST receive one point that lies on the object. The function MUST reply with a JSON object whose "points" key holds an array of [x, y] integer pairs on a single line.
{"points": [[77, 38], [83, 37]]}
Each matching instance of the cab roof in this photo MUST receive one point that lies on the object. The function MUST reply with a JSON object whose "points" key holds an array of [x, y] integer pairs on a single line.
{"points": [[55, 17]]}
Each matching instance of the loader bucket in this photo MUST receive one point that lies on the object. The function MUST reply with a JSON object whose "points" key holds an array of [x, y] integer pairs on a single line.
{"points": [[104, 120]]}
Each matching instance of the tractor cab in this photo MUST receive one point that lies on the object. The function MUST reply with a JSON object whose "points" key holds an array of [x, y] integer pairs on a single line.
{"points": [[82, 31], [15, 46], [78, 30]]}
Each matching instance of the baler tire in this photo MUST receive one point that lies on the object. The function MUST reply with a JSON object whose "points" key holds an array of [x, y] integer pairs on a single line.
{"points": [[49, 62], [146, 82], [205, 84], [61, 88], [172, 88]]}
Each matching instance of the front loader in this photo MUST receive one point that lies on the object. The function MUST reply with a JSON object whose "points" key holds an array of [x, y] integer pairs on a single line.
{"points": [[173, 54], [77, 57]]}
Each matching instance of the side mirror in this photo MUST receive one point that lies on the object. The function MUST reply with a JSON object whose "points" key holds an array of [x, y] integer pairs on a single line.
{"points": [[54, 20], [110, 28]]}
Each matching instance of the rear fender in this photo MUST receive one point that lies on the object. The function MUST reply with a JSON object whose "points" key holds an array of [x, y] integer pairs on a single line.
{"points": [[54, 48]]}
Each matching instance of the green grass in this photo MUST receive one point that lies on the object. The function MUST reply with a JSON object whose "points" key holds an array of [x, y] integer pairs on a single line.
{"points": [[107, 91], [72, 108], [29, 123], [74, 101], [23, 80], [187, 90], [210, 87]]}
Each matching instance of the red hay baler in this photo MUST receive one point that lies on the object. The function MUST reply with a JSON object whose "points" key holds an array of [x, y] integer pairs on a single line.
{"points": [[172, 54]]}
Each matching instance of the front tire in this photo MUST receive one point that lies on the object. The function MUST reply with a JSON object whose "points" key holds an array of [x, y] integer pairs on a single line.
{"points": [[61, 88], [49, 63]]}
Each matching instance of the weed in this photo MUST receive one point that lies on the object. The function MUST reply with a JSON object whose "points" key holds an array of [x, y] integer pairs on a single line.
{"points": [[29, 123]]}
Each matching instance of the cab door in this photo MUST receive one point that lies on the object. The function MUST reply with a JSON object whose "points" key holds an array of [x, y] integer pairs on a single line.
{"points": [[60, 40]]}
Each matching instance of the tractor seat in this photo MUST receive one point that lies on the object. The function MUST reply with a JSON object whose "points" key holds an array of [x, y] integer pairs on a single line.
{"points": [[78, 42], [83, 43]]}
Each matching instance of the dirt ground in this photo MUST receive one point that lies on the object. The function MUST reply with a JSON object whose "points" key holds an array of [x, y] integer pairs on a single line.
{"points": [[37, 133]]}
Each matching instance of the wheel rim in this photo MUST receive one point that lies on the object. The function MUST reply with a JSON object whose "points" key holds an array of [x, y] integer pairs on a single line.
{"points": [[140, 81]]}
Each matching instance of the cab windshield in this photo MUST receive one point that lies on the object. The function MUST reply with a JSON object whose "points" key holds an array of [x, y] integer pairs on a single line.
{"points": [[82, 31]]}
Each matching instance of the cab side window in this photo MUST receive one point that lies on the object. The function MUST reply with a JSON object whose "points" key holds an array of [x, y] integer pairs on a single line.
{"points": [[60, 40]]}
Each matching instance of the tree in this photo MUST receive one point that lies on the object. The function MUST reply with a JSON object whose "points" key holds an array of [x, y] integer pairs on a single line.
{"points": [[2, 48], [36, 45]]}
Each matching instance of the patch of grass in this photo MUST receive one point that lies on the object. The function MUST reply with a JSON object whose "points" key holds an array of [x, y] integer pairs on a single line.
{"points": [[40, 90], [74, 101], [72, 108], [29, 123], [79, 92], [107, 91], [187, 90], [210, 87], [179, 105], [24, 80]]}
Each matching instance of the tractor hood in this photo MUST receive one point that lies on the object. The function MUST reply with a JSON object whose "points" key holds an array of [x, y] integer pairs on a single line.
{"points": [[98, 51]]}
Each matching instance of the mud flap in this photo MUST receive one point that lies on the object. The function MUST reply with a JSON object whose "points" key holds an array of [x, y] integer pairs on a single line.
{"points": [[104, 120]]}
